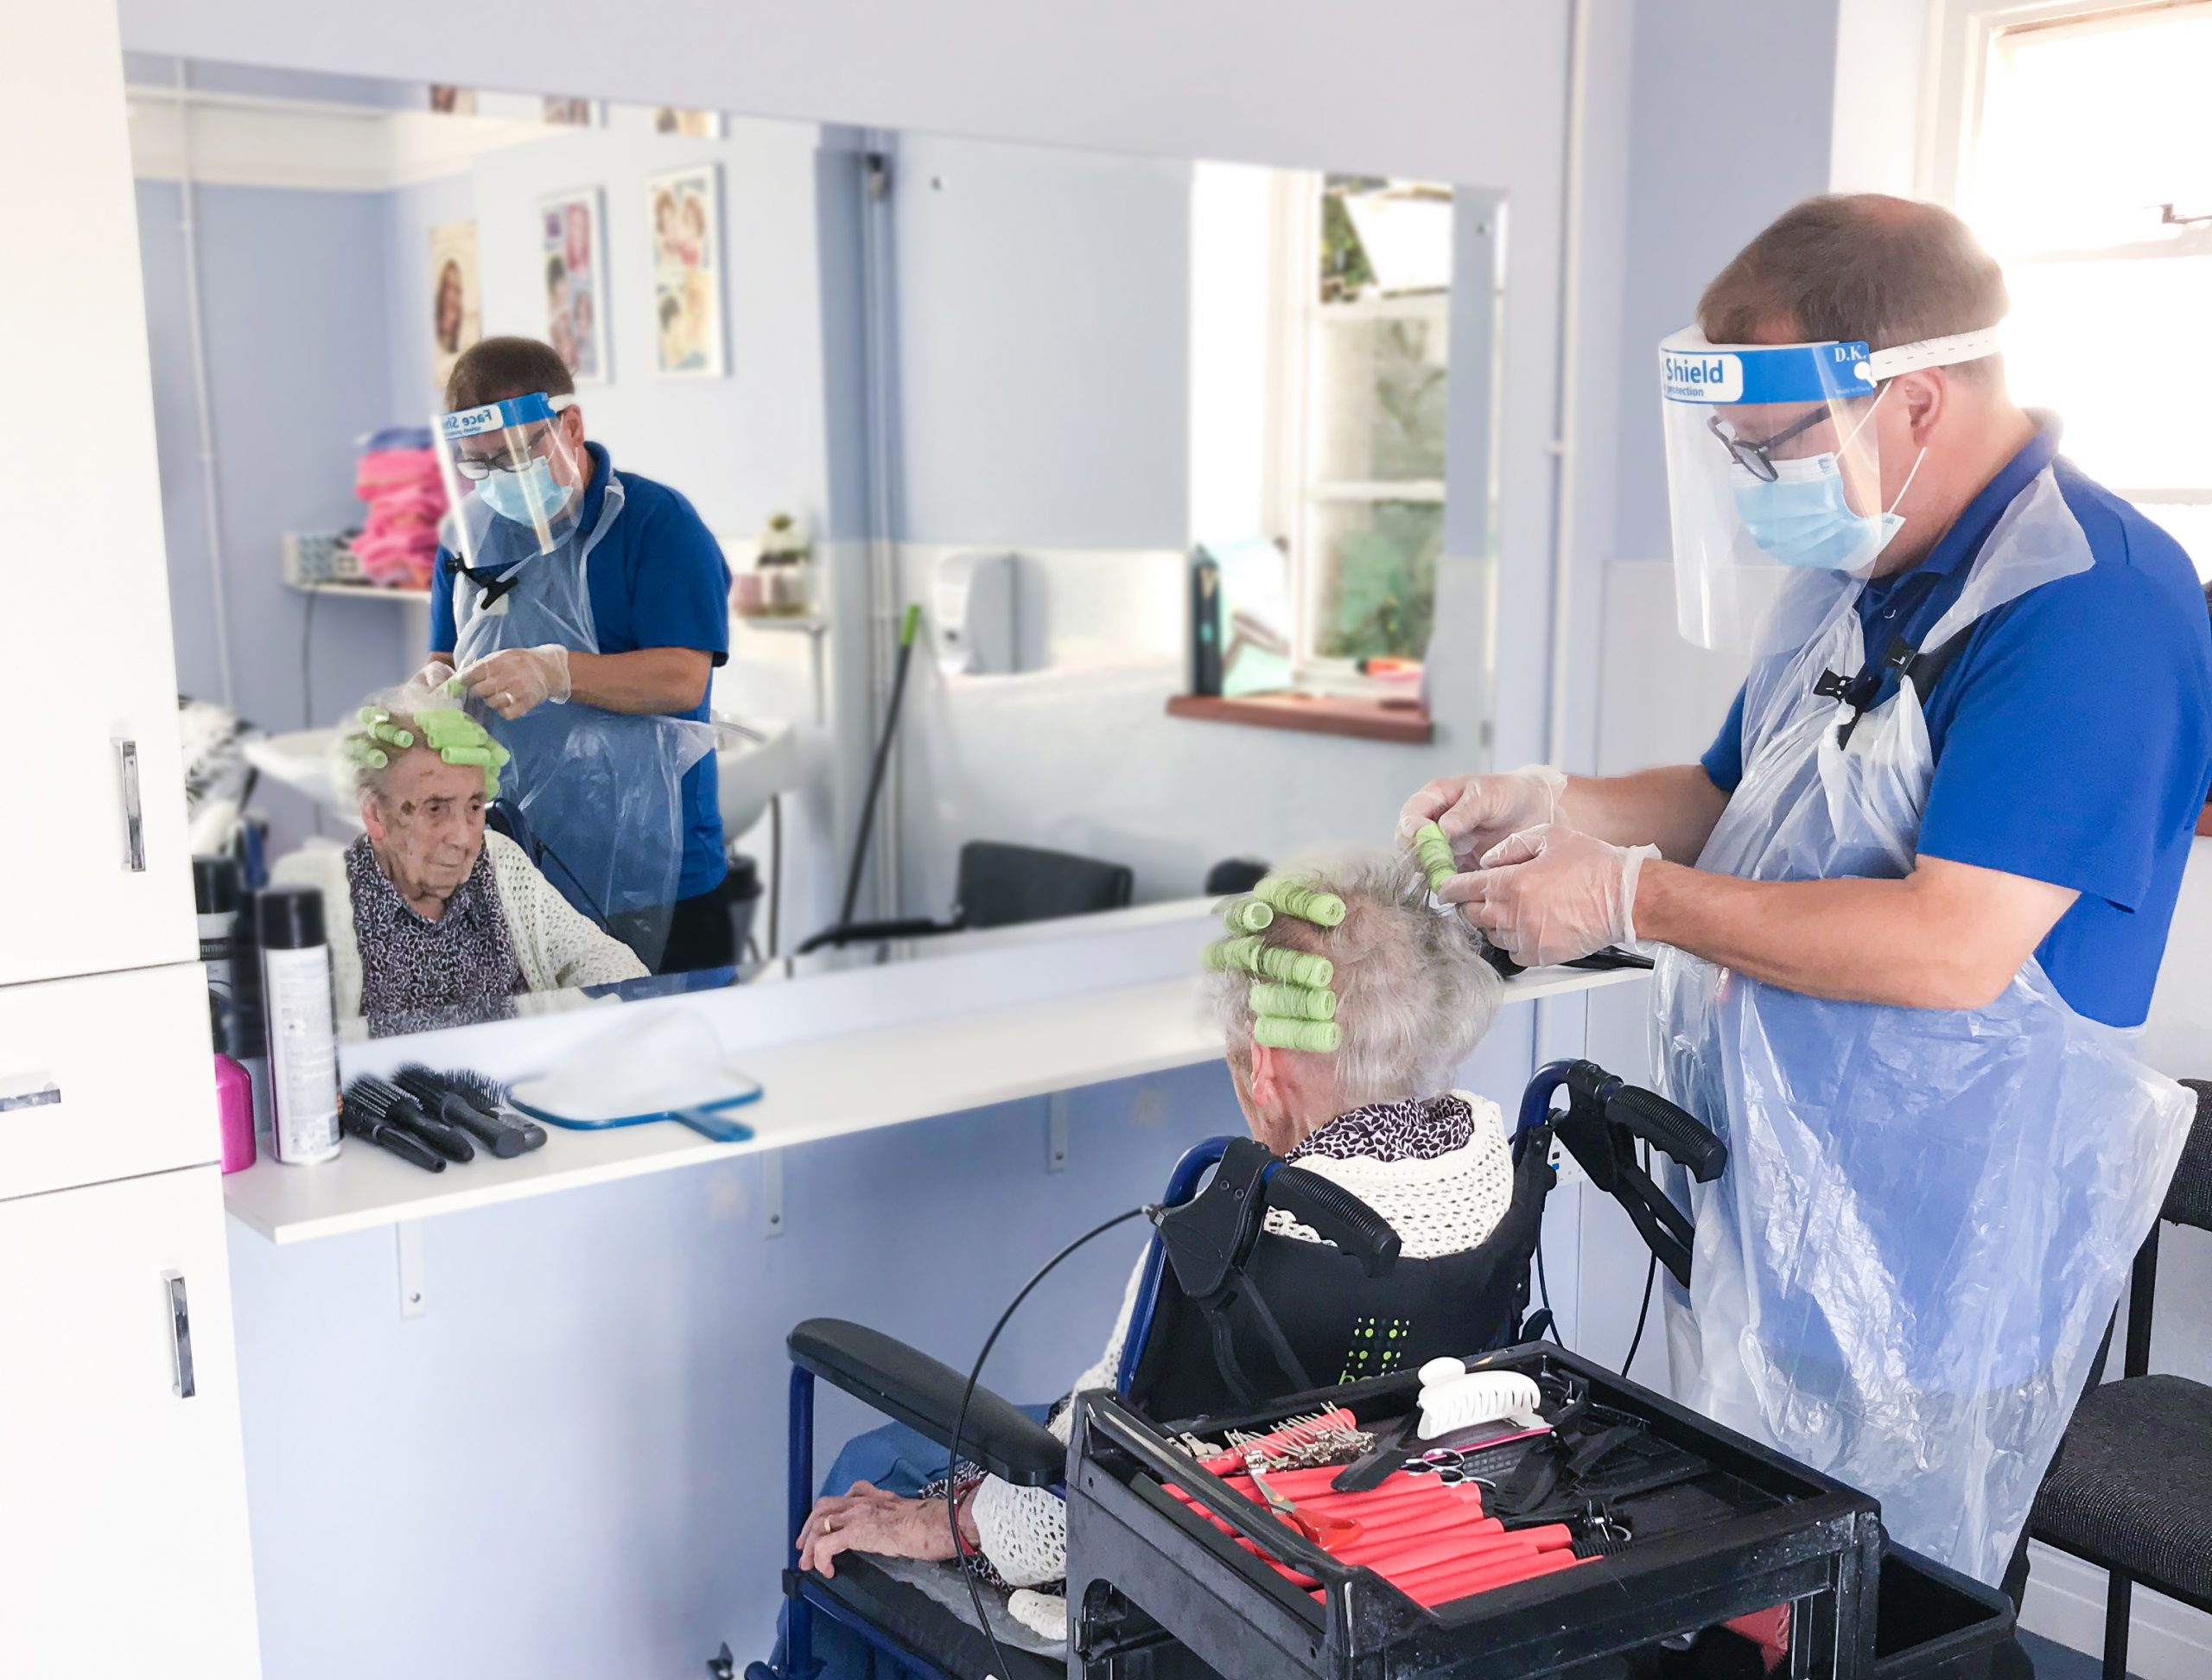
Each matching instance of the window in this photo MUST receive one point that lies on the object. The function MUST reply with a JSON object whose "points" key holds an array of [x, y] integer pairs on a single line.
{"points": [[2087, 169], [1363, 362]]}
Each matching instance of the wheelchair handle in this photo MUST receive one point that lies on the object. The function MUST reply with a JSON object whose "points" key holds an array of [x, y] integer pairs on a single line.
{"points": [[1644, 1114], [1336, 1215]]}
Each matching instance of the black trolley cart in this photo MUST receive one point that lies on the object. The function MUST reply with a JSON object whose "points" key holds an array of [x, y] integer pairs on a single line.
{"points": [[1750, 1531]]}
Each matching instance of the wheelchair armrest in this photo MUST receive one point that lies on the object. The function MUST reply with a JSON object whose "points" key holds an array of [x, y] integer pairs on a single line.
{"points": [[907, 1384]]}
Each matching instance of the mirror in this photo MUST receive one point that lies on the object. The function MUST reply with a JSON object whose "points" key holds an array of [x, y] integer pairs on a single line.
{"points": [[1188, 466]]}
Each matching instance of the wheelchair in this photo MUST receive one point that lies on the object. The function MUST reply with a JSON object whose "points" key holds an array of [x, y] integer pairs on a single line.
{"points": [[1227, 1317]]}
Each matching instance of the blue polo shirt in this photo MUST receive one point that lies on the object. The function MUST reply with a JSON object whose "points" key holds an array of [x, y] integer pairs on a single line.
{"points": [[658, 579], [2072, 734]]}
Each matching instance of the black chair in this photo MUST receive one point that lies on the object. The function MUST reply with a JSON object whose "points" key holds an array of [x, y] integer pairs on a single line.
{"points": [[1001, 885], [2130, 1491]]}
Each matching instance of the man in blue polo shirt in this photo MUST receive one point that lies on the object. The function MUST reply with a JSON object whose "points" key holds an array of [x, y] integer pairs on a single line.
{"points": [[1928, 860], [584, 606]]}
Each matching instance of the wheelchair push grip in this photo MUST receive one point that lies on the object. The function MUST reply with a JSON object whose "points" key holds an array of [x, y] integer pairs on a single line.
{"points": [[1668, 1128], [1336, 1215]]}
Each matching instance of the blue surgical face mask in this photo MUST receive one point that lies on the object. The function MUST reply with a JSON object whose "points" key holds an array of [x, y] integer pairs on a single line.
{"points": [[529, 496], [1803, 519]]}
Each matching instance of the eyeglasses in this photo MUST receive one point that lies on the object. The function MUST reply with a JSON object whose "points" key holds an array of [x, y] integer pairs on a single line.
{"points": [[477, 468], [1758, 459]]}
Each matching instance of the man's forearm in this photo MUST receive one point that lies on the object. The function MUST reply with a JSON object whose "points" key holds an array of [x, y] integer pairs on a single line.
{"points": [[1855, 939], [1673, 808], [652, 679]]}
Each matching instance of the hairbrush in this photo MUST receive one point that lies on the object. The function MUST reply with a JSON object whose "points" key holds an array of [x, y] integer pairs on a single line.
{"points": [[441, 1101], [389, 1104]]}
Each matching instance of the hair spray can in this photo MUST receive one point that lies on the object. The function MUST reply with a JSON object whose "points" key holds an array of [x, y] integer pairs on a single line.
{"points": [[301, 1029]]}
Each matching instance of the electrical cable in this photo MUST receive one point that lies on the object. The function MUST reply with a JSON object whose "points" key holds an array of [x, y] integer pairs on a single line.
{"points": [[883, 762], [1544, 1293], [960, 1552], [1650, 1277], [775, 875], [307, 648]]}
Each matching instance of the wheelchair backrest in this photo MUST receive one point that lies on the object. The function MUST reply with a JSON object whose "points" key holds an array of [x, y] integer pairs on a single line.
{"points": [[1302, 1315]]}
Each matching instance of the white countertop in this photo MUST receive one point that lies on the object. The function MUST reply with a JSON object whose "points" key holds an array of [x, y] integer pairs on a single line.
{"points": [[813, 1087]]}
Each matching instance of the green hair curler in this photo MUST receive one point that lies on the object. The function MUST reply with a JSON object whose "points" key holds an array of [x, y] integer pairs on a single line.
{"points": [[1292, 1003], [1435, 854], [1322, 909], [1321, 1037], [1300, 968], [1249, 915]]}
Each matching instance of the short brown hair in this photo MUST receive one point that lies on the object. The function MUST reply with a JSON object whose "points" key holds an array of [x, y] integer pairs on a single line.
{"points": [[494, 369], [1856, 266]]}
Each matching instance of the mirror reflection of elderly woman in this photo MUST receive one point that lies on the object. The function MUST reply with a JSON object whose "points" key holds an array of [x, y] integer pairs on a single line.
{"points": [[429, 911]]}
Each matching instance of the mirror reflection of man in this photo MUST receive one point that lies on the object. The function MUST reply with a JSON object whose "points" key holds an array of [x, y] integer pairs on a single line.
{"points": [[561, 584]]}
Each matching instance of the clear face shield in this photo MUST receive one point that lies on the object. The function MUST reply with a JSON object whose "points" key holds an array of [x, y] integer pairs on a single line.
{"points": [[514, 481], [1774, 472]]}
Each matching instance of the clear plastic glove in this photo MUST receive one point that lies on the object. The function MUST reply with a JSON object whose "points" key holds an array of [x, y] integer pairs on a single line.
{"points": [[1550, 895], [434, 676], [520, 680], [1477, 812]]}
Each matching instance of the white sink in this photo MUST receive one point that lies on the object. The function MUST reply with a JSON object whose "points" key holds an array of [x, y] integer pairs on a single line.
{"points": [[755, 762]]}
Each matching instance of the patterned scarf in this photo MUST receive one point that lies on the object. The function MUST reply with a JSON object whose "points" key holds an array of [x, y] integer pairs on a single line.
{"points": [[1417, 1129], [413, 971]]}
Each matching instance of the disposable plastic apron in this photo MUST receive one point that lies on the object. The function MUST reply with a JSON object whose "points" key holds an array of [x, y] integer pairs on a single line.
{"points": [[601, 791], [1905, 1272]]}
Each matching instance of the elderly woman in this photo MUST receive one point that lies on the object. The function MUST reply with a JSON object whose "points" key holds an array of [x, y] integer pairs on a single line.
{"points": [[1377, 1115], [426, 910]]}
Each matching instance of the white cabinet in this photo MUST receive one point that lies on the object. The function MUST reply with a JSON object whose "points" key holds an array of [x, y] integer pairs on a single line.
{"points": [[87, 676], [123, 1521], [123, 1515], [107, 1076]]}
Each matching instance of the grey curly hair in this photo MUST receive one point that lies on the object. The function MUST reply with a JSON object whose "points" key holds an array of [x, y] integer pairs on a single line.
{"points": [[1413, 996]]}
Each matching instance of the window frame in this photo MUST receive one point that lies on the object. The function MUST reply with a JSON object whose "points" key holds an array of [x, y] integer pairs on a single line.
{"points": [[1294, 493], [1968, 33]]}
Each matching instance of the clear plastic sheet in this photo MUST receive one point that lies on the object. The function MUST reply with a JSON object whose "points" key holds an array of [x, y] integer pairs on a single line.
{"points": [[602, 791], [1928, 1215]]}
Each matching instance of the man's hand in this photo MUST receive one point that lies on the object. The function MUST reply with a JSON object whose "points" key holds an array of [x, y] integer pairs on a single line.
{"points": [[520, 680], [1477, 812], [434, 676], [868, 1520], [1549, 895]]}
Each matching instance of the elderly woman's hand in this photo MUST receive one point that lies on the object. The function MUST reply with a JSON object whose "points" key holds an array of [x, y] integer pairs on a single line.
{"points": [[870, 1520]]}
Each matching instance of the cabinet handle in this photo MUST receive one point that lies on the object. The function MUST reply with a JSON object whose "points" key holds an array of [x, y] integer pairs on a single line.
{"points": [[134, 819], [180, 1335]]}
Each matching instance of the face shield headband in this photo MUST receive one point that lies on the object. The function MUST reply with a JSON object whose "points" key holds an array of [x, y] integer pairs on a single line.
{"points": [[1773, 467], [503, 465]]}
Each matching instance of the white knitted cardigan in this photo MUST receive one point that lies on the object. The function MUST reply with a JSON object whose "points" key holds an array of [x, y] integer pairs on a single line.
{"points": [[555, 943], [1440, 1172]]}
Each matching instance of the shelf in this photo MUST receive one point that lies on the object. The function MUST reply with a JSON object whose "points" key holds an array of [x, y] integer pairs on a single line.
{"points": [[361, 591], [815, 1089], [1401, 720], [807, 625]]}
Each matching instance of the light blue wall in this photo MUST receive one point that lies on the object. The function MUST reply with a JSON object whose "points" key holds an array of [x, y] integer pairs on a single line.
{"points": [[571, 1467], [409, 215], [741, 447], [1044, 328], [292, 294], [1728, 127]]}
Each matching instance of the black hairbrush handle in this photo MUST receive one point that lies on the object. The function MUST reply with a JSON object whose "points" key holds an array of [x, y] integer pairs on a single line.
{"points": [[503, 1140], [448, 1141], [403, 1144]]}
